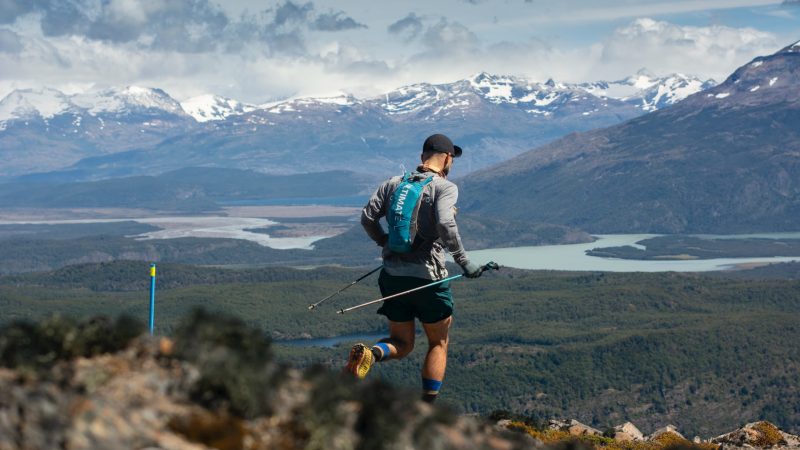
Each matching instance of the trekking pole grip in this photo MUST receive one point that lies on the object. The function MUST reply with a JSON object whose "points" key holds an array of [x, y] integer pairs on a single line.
{"points": [[491, 265]]}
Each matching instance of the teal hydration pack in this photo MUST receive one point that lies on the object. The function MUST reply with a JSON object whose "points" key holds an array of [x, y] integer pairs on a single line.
{"points": [[402, 213]]}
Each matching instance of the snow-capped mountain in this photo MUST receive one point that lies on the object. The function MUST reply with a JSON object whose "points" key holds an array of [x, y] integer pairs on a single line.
{"points": [[44, 129], [649, 92], [115, 131], [643, 90], [130, 100], [31, 103], [213, 107], [47, 103]]}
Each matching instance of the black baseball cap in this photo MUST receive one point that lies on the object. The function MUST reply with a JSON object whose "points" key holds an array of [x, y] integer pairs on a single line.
{"points": [[442, 144]]}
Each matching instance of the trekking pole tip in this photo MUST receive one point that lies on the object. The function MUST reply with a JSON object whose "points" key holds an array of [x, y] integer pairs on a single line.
{"points": [[311, 307], [341, 311]]}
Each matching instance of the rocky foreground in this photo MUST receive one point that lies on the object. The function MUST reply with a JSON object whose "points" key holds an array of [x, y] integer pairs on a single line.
{"points": [[756, 435], [103, 385]]}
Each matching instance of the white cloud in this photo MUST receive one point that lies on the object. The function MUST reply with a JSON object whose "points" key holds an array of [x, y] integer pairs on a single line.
{"points": [[425, 47], [9, 41], [410, 25], [660, 46], [577, 11], [449, 37]]}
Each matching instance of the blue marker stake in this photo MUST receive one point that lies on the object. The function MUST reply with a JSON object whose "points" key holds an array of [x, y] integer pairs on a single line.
{"points": [[152, 296]]}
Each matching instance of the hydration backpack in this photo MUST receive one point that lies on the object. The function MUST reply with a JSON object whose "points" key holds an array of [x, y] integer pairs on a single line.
{"points": [[402, 213]]}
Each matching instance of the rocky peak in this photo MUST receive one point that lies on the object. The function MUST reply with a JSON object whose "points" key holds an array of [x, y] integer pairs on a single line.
{"points": [[794, 48], [766, 79]]}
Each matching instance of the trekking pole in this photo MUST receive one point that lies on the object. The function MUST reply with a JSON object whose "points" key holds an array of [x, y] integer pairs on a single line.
{"points": [[310, 307], [152, 319], [488, 266]]}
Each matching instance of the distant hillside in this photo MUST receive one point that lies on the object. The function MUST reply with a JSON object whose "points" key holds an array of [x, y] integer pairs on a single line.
{"points": [[722, 161], [189, 189]]}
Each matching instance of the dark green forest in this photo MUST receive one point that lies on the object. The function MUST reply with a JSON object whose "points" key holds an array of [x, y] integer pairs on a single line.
{"points": [[707, 353]]}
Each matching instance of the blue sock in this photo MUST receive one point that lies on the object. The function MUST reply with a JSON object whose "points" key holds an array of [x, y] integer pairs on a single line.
{"points": [[383, 351], [430, 389]]}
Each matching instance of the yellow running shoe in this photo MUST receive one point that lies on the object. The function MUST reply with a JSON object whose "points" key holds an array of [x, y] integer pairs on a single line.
{"points": [[360, 361]]}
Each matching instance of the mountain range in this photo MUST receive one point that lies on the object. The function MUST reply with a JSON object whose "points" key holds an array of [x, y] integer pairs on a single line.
{"points": [[724, 160], [133, 131]]}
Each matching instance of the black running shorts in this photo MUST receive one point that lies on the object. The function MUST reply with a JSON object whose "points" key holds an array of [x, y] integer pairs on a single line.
{"points": [[428, 305]]}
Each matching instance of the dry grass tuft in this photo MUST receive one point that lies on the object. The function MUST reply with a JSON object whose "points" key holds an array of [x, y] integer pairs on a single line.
{"points": [[768, 435]]}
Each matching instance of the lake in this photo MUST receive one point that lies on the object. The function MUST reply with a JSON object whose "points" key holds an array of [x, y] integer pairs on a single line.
{"points": [[573, 256], [349, 339]]}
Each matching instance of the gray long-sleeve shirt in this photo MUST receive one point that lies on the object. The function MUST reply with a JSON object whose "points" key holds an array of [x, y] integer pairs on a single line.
{"points": [[436, 229]]}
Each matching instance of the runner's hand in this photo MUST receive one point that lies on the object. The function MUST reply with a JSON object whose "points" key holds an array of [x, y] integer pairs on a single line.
{"points": [[472, 270]]}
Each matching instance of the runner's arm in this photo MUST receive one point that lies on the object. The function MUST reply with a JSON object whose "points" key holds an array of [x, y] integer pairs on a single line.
{"points": [[446, 197], [372, 213]]}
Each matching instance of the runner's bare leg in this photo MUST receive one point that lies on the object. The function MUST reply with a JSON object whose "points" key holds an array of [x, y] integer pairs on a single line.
{"points": [[438, 339], [400, 340]]}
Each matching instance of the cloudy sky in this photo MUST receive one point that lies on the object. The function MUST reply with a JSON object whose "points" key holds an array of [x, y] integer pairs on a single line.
{"points": [[262, 50]]}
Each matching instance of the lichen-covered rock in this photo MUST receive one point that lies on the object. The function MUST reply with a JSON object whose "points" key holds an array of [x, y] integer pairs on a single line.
{"points": [[760, 435], [627, 432], [574, 428], [669, 431]]}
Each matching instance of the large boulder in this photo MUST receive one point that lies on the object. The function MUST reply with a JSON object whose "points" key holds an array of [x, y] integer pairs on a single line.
{"points": [[760, 435], [667, 431], [573, 427], [627, 432]]}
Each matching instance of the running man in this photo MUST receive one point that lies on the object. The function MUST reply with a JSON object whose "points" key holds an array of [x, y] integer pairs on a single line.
{"points": [[436, 232]]}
